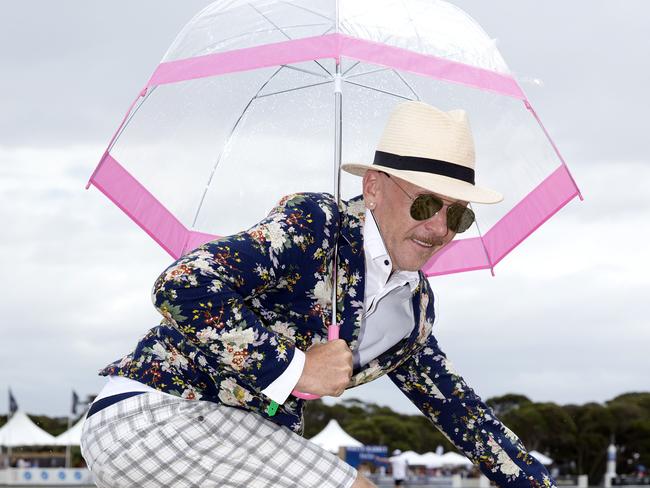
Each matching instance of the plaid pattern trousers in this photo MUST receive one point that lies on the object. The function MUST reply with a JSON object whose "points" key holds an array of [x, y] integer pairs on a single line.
{"points": [[156, 440]]}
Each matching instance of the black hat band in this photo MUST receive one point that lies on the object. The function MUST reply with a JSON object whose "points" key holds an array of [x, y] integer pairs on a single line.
{"points": [[425, 165]]}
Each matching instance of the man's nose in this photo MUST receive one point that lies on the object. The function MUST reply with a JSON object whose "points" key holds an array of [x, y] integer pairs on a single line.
{"points": [[437, 224]]}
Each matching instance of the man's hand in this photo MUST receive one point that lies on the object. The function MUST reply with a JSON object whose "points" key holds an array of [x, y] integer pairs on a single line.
{"points": [[328, 369]]}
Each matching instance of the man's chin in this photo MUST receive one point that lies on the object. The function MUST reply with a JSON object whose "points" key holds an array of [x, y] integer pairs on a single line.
{"points": [[426, 258], [417, 260], [413, 266]]}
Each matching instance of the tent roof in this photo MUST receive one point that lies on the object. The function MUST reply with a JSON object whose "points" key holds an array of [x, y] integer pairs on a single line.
{"points": [[413, 458], [545, 460], [72, 436], [21, 431], [332, 437], [454, 459], [432, 460]]}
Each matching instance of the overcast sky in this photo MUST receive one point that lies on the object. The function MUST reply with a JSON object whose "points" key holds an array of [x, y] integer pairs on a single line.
{"points": [[564, 320]]}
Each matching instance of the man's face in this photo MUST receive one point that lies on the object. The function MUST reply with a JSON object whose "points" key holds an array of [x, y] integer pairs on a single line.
{"points": [[409, 242]]}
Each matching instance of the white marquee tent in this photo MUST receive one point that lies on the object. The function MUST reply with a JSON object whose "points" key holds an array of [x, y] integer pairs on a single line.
{"points": [[332, 437], [432, 460], [21, 431], [413, 458], [454, 459], [545, 460], [72, 436]]}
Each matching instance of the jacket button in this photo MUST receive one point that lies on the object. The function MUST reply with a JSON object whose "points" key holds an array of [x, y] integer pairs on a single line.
{"points": [[200, 418]]}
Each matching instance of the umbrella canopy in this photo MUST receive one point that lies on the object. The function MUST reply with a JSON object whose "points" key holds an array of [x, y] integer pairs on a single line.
{"points": [[259, 98], [542, 458], [72, 436], [21, 431], [333, 437], [455, 459]]}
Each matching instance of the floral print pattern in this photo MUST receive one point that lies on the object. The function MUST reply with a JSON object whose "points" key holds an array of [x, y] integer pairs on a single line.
{"points": [[430, 382], [234, 310]]}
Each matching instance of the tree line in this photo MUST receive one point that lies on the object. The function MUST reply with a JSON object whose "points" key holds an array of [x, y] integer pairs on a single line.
{"points": [[575, 436]]}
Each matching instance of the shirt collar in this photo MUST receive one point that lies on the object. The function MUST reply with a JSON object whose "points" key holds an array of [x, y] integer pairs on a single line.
{"points": [[378, 261]]}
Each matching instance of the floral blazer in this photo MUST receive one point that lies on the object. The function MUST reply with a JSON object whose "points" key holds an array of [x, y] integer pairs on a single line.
{"points": [[235, 309]]}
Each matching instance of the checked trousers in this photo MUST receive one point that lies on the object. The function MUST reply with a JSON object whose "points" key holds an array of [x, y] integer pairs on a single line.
{"points": [[156, 440]]}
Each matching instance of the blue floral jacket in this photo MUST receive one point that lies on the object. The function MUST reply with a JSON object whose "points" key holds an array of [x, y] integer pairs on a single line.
{"points": [[235, 309]]}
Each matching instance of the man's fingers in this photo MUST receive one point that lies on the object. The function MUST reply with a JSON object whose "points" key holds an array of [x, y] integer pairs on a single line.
{"points": [[344, 351], [328, 368]]}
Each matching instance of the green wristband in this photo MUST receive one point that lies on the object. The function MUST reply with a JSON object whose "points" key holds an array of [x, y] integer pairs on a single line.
{"points": [[272, 408]]}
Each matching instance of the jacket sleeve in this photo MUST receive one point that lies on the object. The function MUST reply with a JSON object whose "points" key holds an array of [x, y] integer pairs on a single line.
{"points": [[430, 382], [209, 295]]}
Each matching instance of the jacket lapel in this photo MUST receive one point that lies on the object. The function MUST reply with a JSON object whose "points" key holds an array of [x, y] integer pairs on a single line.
{"points": [[351, 270]]}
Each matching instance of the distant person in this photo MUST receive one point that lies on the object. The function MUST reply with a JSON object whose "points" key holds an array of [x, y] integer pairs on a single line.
{"points": [[205, 399], [399, 466]]}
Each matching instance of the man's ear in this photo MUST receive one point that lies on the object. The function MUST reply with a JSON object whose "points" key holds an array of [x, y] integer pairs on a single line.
{"points": [[371, 186]]}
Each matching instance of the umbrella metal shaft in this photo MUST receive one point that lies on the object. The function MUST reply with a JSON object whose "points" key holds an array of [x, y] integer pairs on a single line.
{"points": [[333, 328], [333, 331]]}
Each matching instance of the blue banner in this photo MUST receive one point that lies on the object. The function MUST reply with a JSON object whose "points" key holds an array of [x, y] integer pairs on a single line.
{"points": [[355, 456]]}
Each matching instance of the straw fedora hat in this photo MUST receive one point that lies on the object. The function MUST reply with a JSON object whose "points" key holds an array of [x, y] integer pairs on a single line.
{"points": [[431, 149]]}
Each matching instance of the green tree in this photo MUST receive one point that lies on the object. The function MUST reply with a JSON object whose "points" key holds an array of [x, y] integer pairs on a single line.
{"points": [[506, 403], [631, 412], [595, 426]]}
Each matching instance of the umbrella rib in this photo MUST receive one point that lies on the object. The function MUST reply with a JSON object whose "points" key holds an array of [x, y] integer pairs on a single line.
{"points": [[415, 29], [215, 44], [293, 89], [308, 10], [329, 29], [351, 68], [378, 90], [270, 21], [378, 70], [128, 121], [232, 131], [316, 61], [304, 71], [406, 83], [322, 67], [480, 236]]}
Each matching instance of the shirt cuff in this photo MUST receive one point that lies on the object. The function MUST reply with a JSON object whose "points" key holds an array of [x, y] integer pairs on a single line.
{"points": [[281, 388]]}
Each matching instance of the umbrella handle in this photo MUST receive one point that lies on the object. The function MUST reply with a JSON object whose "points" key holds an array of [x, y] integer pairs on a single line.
{"points": [[332, 335]]}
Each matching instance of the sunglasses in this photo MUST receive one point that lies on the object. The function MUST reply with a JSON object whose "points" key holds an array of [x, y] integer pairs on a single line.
{"points": [[459, 217]]}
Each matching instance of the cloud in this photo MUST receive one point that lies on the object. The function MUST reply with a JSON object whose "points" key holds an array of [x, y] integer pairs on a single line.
{"points": [[565, 319], [78, 276]]}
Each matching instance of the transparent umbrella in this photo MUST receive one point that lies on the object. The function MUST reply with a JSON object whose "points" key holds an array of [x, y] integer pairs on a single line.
{"points": [[256, 99], [259, 98]]}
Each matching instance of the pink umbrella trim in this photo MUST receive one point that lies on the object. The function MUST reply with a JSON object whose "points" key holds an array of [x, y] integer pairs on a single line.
{"points": [[333, 46], [463, 255], [522, 220]]}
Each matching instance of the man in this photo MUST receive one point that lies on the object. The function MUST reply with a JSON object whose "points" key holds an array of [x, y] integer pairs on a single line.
{"points": [[398, 466], [245, 322]]}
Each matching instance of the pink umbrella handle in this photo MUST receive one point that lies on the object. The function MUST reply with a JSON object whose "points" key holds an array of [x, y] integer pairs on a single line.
{"points": [[332, 335], [333, 332]]}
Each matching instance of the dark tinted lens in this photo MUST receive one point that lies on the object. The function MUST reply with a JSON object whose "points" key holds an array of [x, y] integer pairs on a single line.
{"points": [[425, 206], [459, 218]]}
